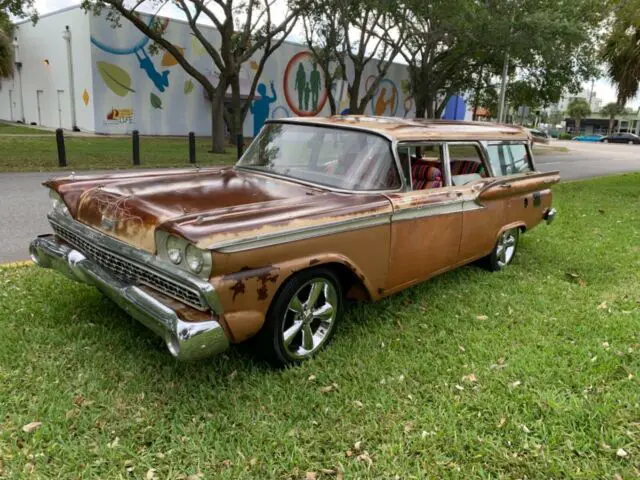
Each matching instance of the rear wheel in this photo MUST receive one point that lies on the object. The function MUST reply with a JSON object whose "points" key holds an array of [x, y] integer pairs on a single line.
{"points": [[302, 318], [504, 251], [630, 142], [605, 141]]}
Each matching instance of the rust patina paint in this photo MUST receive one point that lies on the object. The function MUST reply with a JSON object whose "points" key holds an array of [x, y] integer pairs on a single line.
{"points": [[222, 206]]}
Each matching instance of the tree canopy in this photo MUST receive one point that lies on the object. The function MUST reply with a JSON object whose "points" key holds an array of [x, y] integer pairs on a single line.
{"points": [[6, 45]]}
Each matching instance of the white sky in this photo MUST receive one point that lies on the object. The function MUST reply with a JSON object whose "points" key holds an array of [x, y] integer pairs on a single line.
{"points": [[602, 87]]}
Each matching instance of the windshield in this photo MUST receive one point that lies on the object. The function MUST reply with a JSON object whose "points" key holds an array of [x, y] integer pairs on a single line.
{"points": [[338, 158]]}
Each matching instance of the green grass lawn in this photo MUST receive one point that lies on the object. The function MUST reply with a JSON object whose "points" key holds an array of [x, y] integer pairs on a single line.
{"points": [[528, 373], [9, 128], [84, 153]]}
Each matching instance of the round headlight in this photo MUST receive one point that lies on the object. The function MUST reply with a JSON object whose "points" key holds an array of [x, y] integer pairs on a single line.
{"points": [[174, 249], [195, 259]]}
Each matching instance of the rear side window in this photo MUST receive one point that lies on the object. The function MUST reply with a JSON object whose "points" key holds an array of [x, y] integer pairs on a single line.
{"points": [[509, 159], [466, 163]]}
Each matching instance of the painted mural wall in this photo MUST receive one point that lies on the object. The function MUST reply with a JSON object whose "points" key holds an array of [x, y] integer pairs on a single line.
{"points": [[135, 89]]}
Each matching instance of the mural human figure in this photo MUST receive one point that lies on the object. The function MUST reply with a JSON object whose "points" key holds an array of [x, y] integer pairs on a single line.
{"points": [[382, 103], [300, 85], [260, 107], [160, 80], [307, 91], [314, 83]]}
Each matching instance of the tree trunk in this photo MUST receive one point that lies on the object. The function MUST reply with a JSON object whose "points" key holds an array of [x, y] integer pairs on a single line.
{"points": [[217, 120], [429, 106], [578, 126], [421, 105], [611, 120], [354, 93], [236, 113]]}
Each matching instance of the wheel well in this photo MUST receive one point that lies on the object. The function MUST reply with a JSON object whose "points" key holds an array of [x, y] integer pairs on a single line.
{"points": [[352, 286]]}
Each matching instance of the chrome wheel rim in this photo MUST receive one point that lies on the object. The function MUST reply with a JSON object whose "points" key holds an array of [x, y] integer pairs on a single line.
{"points": [[309, 318], [506, 247]]}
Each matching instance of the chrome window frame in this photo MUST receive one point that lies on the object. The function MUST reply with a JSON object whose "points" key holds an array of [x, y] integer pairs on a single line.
{"points": [[390, 139], [484, 154], [422, 143], [527, 147]]}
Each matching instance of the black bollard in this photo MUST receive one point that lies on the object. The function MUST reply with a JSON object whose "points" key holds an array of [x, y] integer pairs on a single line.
{"points": [[62, 153], [136, 147], [239, 144], [192, 147]]}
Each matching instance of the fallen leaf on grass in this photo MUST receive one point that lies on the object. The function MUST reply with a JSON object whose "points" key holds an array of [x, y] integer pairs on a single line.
{"points": [[311, 476], [358, 403], [459, 387], [357, 446], [461, 348], [603, 306], [31, 427], [312, 378], [408, 427], [502, 422], [364, 457], [328, 471], [515, 384], [621, 453], [151, 474], [482, 317], [329, 388], [471, 378], [525, 429], [575, 278], [232, 375], [113, 443]]}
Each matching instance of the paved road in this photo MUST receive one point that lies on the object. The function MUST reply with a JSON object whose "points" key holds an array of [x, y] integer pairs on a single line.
{"points": [[25, 203]]}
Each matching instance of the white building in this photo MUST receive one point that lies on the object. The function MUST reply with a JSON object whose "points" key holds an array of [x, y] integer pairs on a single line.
{"points": [[117, 85]]}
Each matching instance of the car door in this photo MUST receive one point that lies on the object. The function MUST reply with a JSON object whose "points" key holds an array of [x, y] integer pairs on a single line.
{"points": [[514, 196], [426, 223]]}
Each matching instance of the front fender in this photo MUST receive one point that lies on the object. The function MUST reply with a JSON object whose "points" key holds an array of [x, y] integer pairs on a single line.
{"points": [[247, 294]]}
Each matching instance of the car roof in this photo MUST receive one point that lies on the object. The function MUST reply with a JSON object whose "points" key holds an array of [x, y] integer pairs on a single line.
{"points": [[405, 129]]}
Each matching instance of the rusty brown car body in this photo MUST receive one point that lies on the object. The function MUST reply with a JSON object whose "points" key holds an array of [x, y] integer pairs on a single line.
{"points": [[269, 248]]}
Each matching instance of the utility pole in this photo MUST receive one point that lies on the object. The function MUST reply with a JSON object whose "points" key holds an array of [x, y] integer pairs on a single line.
{"points": [[503, 89]]}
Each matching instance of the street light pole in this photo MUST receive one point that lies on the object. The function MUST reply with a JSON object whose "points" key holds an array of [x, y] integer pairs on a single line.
{"points": [[66, 34]]}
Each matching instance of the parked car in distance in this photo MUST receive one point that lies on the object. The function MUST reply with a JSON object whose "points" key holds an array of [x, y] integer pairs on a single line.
{"points": [[588, 138], [630, 138], [538, 136], [316, 211]]}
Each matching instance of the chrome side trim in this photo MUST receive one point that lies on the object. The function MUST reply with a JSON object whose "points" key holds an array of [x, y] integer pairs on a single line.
{"points": [[185, 340], [275, 238], [445, 208], [142, 259]]}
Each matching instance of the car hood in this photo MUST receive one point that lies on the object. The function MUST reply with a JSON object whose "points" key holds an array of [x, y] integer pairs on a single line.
{"points": [[208, 207]]}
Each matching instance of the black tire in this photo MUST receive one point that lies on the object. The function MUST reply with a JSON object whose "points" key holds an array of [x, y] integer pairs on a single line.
{"points": [[493, 261], [270, 340]]}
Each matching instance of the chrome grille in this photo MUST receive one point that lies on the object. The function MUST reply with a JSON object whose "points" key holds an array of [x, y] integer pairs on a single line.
{"points": [[128, 271]]}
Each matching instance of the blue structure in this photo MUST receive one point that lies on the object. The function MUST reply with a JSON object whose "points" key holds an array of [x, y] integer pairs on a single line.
{"points": [[455, 109]]}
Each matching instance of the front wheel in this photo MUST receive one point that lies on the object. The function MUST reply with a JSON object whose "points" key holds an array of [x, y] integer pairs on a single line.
{"points": [[504, 251], [302, 318]]}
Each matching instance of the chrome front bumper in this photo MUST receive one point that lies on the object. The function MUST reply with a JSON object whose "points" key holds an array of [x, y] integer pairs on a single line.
{"points": [[185, 340]]}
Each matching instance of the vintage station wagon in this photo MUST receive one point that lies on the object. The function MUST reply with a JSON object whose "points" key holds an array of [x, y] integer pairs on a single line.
{"points": [[316, 211]]}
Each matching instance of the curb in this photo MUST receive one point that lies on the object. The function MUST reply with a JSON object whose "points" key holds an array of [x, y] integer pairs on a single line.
{"points": [[23, 263]]}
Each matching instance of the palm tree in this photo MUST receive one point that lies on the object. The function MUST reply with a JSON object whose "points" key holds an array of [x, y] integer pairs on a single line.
{"points": [[612, 110], [578, 109], [621, 53], [6, 46]]}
